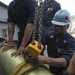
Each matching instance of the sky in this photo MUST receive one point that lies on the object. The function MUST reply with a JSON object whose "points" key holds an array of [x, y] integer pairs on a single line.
{"points": [[65, 4]]}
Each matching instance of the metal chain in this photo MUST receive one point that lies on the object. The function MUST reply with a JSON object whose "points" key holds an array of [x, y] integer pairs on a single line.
{"points": [[35, 19], [40, 22]]}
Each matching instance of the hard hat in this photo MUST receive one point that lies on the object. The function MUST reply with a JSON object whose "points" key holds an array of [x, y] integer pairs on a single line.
{"points": [[61, 18]]}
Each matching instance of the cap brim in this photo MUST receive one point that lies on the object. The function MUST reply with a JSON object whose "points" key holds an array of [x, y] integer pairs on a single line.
{"points": [[59, 23]]}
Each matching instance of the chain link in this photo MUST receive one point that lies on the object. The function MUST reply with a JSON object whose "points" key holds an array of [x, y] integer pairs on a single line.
{"points": [[35, 19], [40, 22]]}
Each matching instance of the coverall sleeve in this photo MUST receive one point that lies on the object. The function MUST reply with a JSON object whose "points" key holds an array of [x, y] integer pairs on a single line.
{"points": [[10, 13], [30, 11], [69, 50], [57, 7]]}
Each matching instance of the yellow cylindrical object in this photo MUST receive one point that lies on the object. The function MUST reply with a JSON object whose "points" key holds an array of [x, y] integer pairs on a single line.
{"points": [[9, 63], [18, 65]]}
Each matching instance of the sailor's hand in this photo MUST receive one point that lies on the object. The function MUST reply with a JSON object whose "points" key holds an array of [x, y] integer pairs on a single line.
{"points": [[41, 59], [8, 46], [38, 60], [20, 51]]}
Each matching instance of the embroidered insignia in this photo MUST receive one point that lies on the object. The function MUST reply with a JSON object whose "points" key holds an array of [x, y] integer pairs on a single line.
{"points": [[51, 36], [50, 9], [60, 50]]}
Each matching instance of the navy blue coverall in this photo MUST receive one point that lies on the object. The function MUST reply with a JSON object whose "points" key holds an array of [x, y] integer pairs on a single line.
{"points": [[21, 14], [49, 10], [64, 48]]}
